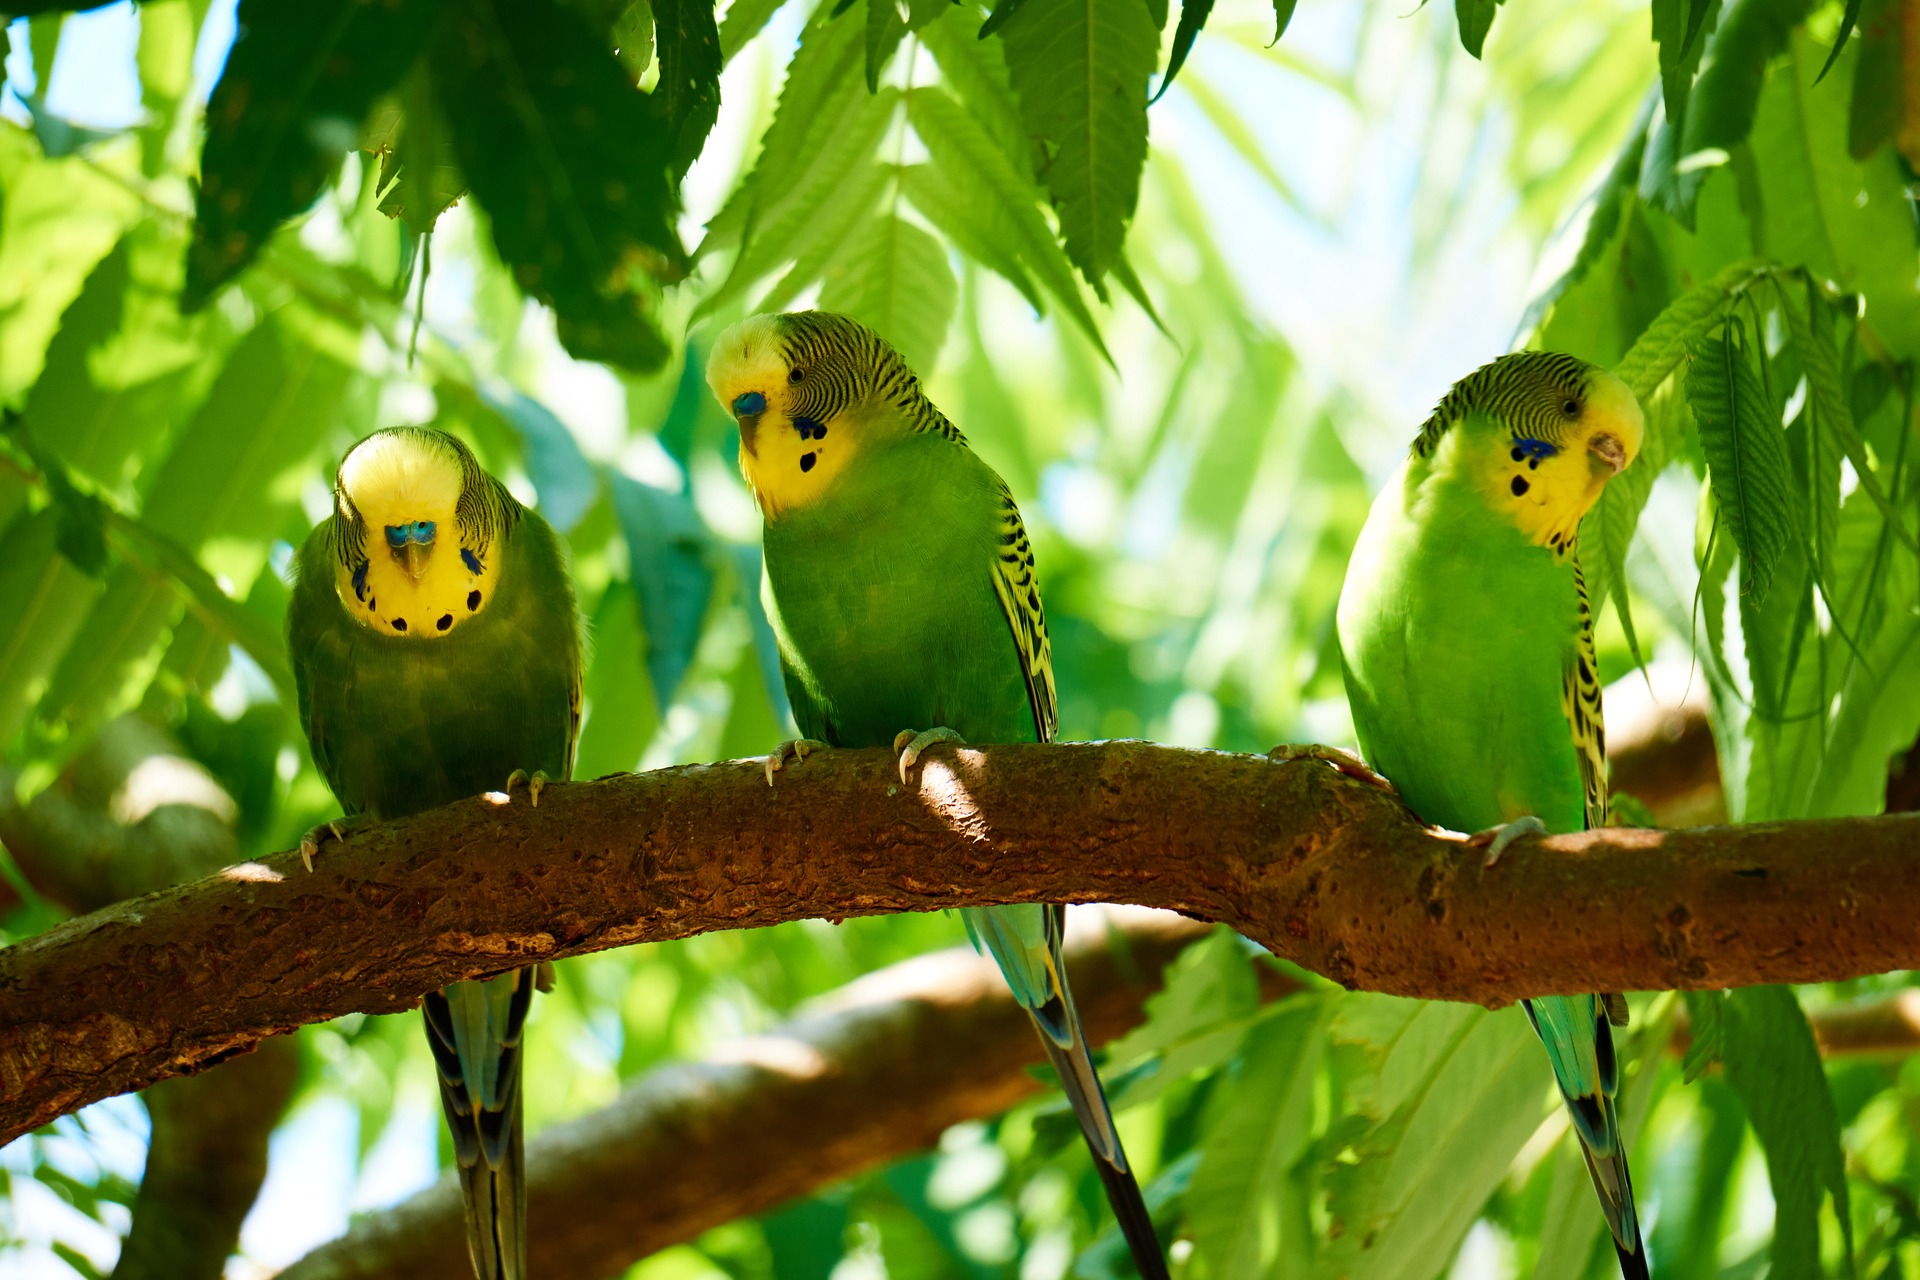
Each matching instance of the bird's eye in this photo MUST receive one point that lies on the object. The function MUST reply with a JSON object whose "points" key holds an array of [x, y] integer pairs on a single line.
{"points": [[795, 375], [1570, 407]]}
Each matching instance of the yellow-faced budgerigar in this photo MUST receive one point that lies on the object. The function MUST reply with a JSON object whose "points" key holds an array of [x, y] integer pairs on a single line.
{"points": [[901, 586], [436, 649], [1468, 646]]}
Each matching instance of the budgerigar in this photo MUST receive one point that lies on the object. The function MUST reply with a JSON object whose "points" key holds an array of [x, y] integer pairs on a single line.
{"points": [[901, 587], [1468, 646], [436, 648]]}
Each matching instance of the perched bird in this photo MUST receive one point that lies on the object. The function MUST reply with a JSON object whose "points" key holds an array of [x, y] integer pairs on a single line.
{"points": [[901, 586], [436, 649], [1468, 648]]}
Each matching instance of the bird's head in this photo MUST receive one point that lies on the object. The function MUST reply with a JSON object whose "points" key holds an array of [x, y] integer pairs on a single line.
{"points": [[415, 518], [805, 387], [1545, 432]]}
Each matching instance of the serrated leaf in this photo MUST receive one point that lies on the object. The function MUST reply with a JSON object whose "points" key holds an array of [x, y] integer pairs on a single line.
{"points": [[1677, 27], [1197, 1021], [743, 22], [1475, 18], [288, 106], [572, 165], [962, 149], [975, 72], [667, 549], [897, 282], [633, 39], [827, 235], [1661, 349], [688, 93], [1080, 69], [975, 226], [417, 167], [1746, 452], [1773, 1064], [1264, 1129], [1193, 16]]}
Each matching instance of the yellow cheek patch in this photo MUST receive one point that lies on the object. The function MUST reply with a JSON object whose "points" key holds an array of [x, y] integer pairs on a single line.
{"points": [[1545, 491], [792, 461], [381, 596]]}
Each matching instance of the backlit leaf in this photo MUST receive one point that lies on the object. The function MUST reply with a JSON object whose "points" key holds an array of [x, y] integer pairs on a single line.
{"points": [[1746, 455]]}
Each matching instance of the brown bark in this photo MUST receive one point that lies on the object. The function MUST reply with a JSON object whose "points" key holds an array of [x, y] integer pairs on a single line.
{"points": [[876, 1071], [1321, 869]]}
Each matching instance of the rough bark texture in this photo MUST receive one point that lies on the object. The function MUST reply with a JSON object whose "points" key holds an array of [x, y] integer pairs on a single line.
{"points": [[1323, 870], [876, 1071]]}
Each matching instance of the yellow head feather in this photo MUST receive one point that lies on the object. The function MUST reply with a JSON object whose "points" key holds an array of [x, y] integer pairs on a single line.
{"points": [[1544, 433], [415, 524], [812, 391]]}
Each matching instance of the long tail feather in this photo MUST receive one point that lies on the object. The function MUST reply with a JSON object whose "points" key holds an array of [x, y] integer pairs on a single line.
{"points": [[1025, 943], [1579, 1044], [474, 1029], [1089, 1101]]}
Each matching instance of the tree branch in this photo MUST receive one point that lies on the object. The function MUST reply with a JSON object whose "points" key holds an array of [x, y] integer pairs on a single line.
{"points": [[871, 1073], [1323, 870]]}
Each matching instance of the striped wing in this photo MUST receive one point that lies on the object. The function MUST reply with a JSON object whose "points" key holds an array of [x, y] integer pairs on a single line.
{"points": [[1018, 587], [1580, 699]]}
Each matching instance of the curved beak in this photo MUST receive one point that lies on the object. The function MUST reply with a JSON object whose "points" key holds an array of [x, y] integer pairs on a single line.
{"points": [[1607, 447], [413, 558]]}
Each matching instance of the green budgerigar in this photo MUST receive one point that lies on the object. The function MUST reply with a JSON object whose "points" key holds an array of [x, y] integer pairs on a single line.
{"points": [[901, 587], [1468, 646], [436, 648]]}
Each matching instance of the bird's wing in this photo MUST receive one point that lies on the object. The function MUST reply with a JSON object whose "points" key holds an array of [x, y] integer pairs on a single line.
{"points": [[1017, 586], [1580, 699]]}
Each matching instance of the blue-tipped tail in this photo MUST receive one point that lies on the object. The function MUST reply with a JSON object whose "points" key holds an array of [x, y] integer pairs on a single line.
{"points": [[474, 1029], [1580, 1045]]}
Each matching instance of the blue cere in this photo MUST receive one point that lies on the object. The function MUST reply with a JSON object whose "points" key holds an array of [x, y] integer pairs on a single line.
{"points": [[471, 560], [420, 531], [1527, 449], [749, 403]]}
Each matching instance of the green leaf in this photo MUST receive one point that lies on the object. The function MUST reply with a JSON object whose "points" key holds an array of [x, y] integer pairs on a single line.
{"points": [[1610, 205], [743, 22], [1476, 19], [1282, 16], [1719, 114], [562, 477], [1706, 1030], [898, 283], [1196, 1022], [1456, 1093], [1661, 349], [973, 221], [667, 559], [885, 30], [1773, 1064], [1080, 68], [287, 108], [1849, 19], [418, 168], [1677, 25], [1746, 455], [620, 710], [1236, 1207], [1003, 11], [633, 39], [688, 93], [572, 165], [970, 158], [827, 235], [1874, 119], [1193, 16], [45, 598]]}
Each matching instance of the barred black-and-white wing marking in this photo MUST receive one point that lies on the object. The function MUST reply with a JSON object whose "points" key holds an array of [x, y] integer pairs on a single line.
{"points": [[1015, 582]]}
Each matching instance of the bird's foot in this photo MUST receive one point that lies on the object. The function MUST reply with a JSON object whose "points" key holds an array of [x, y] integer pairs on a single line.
{"points": [[534, 782], [316, 836], [1345, 761], [1496, 839], [798, 748], [908, 745]]}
